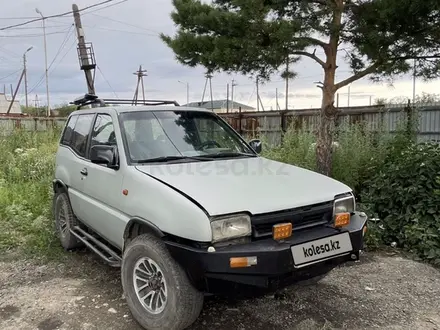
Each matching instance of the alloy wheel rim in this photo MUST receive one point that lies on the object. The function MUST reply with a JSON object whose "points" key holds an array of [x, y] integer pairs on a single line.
{"points": [[62, 221], [150, 285]]}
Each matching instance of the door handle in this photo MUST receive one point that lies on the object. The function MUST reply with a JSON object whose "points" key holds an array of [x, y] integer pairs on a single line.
{"points": [[84, 171]]}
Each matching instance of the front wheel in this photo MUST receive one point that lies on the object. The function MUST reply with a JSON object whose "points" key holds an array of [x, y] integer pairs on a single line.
{"points": [[65, 220], [156, 288]]}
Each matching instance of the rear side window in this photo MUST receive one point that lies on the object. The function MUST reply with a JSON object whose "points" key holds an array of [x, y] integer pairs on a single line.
{"points": [[68, 131], [81, 134]]}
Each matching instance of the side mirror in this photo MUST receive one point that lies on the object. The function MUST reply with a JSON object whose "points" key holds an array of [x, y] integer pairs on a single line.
{"points": [[104, 155], [257, 145]]}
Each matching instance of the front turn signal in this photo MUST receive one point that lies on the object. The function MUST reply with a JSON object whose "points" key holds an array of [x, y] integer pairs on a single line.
{"points": [[342, 219], [282, 231]]}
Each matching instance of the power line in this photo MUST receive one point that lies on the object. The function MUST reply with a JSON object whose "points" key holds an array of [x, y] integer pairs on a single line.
{"points": [[68, 35], [28, 17], [38, 27], [65, 54], [116, 30], [56, 15], [30, 35], [7, 51], [114, 4], [108, 83], [125, 23], [9, 75]]}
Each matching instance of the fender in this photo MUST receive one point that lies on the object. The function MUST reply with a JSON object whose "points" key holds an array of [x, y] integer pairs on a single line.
{"points": [[137, 220], [56, 182]]}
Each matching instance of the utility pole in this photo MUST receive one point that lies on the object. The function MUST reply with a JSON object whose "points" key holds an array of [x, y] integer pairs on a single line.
{"points": [[287, 83], [15, 93], [187, 90], [232, 94], [86, 54], [258, 96], [25, 76], [209, 76], [227, 98], [140, 80], [204, 89], [414, 82], [276, 97], [348, 97], [45, 58]]}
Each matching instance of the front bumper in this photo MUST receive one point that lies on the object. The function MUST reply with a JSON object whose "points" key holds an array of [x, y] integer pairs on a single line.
{"points": [[275, 266]]}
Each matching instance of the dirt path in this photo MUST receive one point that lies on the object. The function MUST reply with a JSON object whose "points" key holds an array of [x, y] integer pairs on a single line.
{"points": [[380, 292]]}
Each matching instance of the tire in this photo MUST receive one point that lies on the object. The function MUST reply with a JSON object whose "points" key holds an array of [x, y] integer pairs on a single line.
{"points": [[64, 220], [183, 301]]}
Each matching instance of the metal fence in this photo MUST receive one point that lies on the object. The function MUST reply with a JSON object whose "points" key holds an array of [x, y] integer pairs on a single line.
{"points": [[10, 123], [272, 124]]}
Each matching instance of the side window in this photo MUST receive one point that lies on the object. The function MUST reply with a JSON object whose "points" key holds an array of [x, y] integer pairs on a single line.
{"points": [[103, 131], [68, 131], [81, 134]]}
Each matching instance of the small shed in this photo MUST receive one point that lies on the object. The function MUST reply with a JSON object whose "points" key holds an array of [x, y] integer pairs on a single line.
{"points": [[4, 105], [221, 106]]}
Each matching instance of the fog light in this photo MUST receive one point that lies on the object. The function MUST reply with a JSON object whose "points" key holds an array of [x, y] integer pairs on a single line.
{"points": [[282, 231], [241, 262], [342, 219]]}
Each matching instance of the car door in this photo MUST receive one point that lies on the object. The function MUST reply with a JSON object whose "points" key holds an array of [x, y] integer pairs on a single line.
{"points": [[73, 159], [103, 186]]}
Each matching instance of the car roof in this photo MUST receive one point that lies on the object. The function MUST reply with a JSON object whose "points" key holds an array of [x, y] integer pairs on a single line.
{"points": [[124, 109]]}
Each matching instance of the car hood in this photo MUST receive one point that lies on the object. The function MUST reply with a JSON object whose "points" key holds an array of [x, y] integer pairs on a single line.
{"points": [[256, 185]]}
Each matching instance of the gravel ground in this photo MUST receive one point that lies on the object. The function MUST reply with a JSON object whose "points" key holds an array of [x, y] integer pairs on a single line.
{"points": [[383, 291]]}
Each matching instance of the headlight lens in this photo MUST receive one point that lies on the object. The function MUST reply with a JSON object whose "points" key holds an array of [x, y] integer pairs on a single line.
{"points": [[230, 227], [344, 205]]}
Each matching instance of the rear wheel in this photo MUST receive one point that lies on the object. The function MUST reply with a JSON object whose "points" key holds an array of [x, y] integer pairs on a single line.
{"points": [[156, 288], [64, 221]]}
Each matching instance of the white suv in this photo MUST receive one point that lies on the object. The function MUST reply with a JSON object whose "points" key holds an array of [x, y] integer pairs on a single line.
{"points": [[178, 200]]}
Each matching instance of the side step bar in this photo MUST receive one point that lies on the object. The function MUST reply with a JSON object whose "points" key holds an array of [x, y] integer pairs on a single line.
{"points": [[102, 250]]}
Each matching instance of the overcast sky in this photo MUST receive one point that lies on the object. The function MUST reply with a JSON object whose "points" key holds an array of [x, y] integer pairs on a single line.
{"points": [[120, 48]]}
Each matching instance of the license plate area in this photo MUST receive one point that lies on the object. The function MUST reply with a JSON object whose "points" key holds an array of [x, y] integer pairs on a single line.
{"points": [[321, 249]]}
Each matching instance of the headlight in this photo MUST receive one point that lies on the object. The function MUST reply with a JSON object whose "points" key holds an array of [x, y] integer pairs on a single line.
{"points": [[344, 205], [230, 227]]}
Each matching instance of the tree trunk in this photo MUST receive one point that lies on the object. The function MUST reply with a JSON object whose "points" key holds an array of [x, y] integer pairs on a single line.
{"points": [[324, 145], [328, 114]]}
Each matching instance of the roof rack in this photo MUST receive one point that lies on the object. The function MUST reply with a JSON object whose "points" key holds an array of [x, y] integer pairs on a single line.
{"points": [[91, 99]]}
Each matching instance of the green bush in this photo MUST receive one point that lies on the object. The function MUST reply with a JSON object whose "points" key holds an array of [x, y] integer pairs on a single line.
{"points": [[296, 148], [356, 153], [26, 171], [405, 195]]}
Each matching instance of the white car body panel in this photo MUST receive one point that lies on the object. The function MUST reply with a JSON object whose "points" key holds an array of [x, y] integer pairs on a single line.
{"points": [[256, 185], [166, 208]]}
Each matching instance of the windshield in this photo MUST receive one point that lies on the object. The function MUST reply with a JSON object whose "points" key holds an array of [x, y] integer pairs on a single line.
{"points": [[163, 135]]}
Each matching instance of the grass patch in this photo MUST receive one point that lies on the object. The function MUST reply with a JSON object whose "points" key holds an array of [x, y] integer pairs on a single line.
{"points": [[26, 172]]}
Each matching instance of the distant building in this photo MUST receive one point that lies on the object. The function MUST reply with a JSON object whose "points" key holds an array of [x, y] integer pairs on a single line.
{"points": [[4, 105], [220, 106]]}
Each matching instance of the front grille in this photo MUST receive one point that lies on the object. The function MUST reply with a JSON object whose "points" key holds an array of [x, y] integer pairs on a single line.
{"points": [[301, 218]]}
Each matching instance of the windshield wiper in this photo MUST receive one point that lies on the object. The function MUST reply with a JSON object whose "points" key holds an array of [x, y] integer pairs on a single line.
{"points": [[168, 159], [230, 154]]}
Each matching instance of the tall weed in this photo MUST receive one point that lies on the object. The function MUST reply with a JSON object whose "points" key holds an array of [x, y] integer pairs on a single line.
{"points": [[26, 171]]}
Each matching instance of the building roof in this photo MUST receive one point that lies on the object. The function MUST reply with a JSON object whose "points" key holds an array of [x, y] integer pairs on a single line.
{"points": [[219, 104], [4, 105]]}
